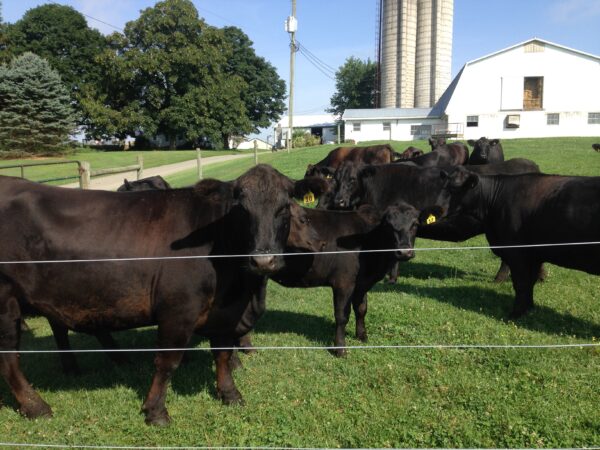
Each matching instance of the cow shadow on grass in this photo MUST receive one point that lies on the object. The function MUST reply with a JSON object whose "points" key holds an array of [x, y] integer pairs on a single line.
{"points": [[498, 306], [424, 271], [196, 374]]}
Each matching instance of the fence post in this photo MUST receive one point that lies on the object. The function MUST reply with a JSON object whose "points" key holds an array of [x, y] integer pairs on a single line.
{"points": [[199, 161], [140, 171], [84, 175], [255, 152]]}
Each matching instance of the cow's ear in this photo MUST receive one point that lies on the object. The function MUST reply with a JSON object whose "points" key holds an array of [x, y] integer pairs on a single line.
{"points": [[471, 142], [317, 185], [327, 171], [431, 141], [430, 215]]}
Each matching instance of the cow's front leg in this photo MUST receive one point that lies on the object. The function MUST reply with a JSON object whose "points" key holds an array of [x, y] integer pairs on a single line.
{"points": [[359, 304], [226, 389], [393, 273], [341, 306], [31, 404]]}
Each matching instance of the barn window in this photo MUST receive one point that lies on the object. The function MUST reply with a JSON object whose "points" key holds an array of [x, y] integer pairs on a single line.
{"points": [[552, 119], [594, 118], [533, 93], [355, 126], [387, 126], [472, 121], [420, 130]]}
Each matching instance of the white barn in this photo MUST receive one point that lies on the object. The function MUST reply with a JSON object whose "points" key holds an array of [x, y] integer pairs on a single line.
{"points": [[532, 89]]}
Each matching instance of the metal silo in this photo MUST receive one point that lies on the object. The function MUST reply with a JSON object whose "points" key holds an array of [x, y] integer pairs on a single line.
{"points": [[415, 51]]}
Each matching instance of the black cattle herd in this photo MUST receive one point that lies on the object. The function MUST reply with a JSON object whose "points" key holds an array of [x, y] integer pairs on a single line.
{"points": [[175, 243]]}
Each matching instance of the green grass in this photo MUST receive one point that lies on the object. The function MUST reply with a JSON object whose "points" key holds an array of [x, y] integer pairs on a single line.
{"points": [[499, 398], [102, 160]]}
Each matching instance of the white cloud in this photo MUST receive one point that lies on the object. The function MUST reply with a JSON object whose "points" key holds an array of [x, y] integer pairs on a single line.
{"points": [[573, 11]]}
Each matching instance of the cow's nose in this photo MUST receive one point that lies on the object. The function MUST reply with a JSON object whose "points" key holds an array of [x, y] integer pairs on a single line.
{"points": [[405, 253], [264, 262]]}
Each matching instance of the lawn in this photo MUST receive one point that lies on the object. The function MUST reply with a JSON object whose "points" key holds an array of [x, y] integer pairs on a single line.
{"points": [[103, 160], [425, 398]]}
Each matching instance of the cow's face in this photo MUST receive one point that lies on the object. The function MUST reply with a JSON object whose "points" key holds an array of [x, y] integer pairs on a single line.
{"points": [[436, 142], [319, 171], [483, 147], [459, 190], [302, 233], [263, 199], [345, 186]]}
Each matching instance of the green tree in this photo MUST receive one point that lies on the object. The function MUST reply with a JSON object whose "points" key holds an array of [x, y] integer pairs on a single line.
{"points": [[265, 91], [60, 35], [35, 108], [160, 77], [355, 86]]}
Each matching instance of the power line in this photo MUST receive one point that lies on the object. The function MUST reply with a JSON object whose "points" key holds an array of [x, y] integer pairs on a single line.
{"points": [[321, 62]]}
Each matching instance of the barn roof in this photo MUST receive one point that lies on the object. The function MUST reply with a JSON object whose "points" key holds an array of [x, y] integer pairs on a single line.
{"points": [[529, 41]]}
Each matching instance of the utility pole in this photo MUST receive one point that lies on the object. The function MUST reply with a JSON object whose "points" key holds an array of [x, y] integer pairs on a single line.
{"points": [[291, 25]]}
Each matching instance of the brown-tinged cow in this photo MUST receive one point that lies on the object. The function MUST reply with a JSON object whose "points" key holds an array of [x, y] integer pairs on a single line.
{"points": [[220, 298], [372, 154]]}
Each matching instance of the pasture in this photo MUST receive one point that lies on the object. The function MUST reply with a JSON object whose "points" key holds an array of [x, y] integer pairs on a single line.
{"points": [[519, 397]]}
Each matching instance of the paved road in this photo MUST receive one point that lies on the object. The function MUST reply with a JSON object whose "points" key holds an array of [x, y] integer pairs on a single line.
{"points": [[112, 182]]}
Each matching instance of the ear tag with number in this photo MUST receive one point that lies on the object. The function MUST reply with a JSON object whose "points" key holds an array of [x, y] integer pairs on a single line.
{"points": [[309, 198], [431, 219]]}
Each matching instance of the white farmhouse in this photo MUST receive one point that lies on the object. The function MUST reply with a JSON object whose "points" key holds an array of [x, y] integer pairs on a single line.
{"points": [[532, 89]]}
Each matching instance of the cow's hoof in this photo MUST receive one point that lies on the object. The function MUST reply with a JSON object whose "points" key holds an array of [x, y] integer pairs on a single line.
{"points": [[339, 352], [517, 313], [158, 419], [34, 410], [231, 397], [362, 336]]}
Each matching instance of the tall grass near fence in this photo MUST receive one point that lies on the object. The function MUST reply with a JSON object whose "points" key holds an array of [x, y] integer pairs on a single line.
{"points": [[372, 398]]}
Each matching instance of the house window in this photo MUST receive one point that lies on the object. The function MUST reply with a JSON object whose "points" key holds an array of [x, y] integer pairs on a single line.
{"points": [[533, 93], [355, 126], [552, 119], [387, 126], [420, 130], [472, 121], [594, 118]]}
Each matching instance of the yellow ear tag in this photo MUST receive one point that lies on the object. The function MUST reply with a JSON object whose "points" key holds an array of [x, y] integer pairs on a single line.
{"points": [[431, 219], [328, 177], [309, 198]]}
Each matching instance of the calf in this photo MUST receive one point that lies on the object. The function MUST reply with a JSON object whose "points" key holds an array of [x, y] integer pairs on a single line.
{"points": [[529, 209], [486, 151], [373, 154], [145, 184], [350, 275], [220, 298]]}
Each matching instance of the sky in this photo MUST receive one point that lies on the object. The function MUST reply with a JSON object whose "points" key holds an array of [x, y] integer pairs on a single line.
{"points": [[334, 30]]}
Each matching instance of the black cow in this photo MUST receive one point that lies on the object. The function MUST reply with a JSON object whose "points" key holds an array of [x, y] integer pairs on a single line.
{"points": [[442, 154], [372, 154], [220, 298], [350, 275], [382, 186], [596, 147], [530, 209], [145, 184], [485, 151]]}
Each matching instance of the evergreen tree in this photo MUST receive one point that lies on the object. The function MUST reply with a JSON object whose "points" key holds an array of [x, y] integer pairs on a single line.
{"points": [[36, 115]]}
